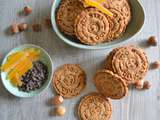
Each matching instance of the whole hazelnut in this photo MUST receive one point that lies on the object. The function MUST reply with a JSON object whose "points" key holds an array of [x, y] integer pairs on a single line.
{"points": [[22, 26], [139, 85], [27, 10], [14, 28], [147, 85], [57, 100], [152, 41], [155, 65], [60, 111]]}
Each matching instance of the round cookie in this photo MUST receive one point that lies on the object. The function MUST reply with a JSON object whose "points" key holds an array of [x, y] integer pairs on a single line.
{"points": [[116, 25], [110, 85], [94, 107], [66, 15], [108, 61], [69, 80], [91, 26], [130, 63], [122, 6]]}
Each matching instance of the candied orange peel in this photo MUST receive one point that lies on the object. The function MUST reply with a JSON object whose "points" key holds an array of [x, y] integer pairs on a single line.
{"points": [[97, 4], [19, 63]]}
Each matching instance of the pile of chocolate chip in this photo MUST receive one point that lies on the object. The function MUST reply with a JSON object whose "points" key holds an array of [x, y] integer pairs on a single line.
{"points": [[35, 77]]}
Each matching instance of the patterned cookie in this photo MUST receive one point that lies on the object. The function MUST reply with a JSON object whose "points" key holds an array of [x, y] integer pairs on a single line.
{"points": [[130, 63], [122, 6], [108, 61], [110, 84], [116, 25], [69, 80], [94, 107], [66, 15], [91, 26]]}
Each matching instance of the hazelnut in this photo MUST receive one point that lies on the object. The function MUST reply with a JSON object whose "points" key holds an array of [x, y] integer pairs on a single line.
{"points": [[60, 111], [156, 65], [57, 100], [48, 23], [27, 10], [139, 85], [36, 27], [22, 26], [147, 85], [14, 28], [152, 41]]}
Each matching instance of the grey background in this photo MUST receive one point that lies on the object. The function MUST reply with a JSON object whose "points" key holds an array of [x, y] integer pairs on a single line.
{"points": [[139, 105]]}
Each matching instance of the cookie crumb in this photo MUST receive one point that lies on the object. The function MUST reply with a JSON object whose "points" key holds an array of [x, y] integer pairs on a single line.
{"points": [[139, 85], [36, 27], [147, 85], [152, 41], [155, 65], [57, 100], [14, 28], [23, 26], [27, 10], [60, 111]]}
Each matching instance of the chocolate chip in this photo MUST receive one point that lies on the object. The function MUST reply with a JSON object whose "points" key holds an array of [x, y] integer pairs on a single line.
{"points": [[35, 77]]}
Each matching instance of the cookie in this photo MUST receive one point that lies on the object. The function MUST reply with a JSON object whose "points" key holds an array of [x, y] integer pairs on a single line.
{"points": [[122, 6], [66, 15], [110, 85], [94, 107], [130, 63], [91, 26], [69, 80], [116, 25], [108, 61]]}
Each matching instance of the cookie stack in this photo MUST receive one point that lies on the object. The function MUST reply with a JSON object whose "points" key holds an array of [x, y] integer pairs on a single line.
{"points": [[124, 66], [89, 25]]}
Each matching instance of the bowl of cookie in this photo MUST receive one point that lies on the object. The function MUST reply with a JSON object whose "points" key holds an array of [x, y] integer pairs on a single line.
{"points": [[94, 24]]}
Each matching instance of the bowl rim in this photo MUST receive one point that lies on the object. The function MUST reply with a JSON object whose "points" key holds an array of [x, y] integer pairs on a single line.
{"points": [[83, 46], [50, 77]]}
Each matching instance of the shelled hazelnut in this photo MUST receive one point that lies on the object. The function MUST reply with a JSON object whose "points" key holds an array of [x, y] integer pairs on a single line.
{"points": [[14, 28], [139, 85], [57, 100], [36, 27], [155, 65], [147, 85], [27, 10], [152, 41], [48, 22], [23, 26], [60, 111]]}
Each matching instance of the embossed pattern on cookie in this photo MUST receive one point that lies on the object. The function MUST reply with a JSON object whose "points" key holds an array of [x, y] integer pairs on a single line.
{"points": [[66, 15], [91, 26], [130, 63], [110, 85], [69, 80], [116, 25], [94, 107]]}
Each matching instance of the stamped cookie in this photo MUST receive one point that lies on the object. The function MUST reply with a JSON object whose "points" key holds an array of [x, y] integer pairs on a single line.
{"points": [[130, 63], [110, 85], [116, 25], [122, 6], [91, 26], [69, 80], [66, 15], [94, 107]]}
